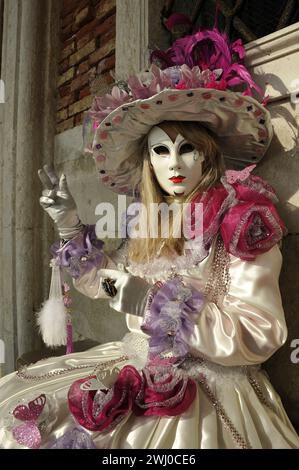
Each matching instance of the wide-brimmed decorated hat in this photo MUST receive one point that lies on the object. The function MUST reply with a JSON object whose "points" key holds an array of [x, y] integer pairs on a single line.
{"points": [[194, 80]]}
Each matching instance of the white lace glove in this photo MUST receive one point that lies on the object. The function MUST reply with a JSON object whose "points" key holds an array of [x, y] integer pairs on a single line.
{"points": [[132, 291], [58, 202]]}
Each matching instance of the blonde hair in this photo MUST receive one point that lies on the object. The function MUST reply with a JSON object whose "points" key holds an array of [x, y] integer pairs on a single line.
{"points": [[144, 249]]}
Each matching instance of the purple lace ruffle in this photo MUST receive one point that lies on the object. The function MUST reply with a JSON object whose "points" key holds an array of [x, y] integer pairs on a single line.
{"points": [[75, 438], [80, 254], [170, 318]]}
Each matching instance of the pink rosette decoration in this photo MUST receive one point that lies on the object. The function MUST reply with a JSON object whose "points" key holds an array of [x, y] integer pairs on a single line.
{"points": [[101, 410], [161, 390], [243, 210], [252, 226], [166, 391]]}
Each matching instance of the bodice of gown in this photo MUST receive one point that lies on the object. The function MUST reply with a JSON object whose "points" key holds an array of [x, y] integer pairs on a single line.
{"points": [[247, 325]]}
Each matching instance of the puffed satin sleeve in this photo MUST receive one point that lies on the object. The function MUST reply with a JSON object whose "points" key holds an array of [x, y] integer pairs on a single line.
{"points": [[248, 326]]}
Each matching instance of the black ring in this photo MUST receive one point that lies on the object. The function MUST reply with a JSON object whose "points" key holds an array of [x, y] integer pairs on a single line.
{"points": [[109, 287]]}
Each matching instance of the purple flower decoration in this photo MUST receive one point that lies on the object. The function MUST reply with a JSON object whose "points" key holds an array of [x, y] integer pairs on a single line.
{"points": [[80, 254], [170, 320]]}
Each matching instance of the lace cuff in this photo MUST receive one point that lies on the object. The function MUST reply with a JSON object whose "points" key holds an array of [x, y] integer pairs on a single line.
{"points": [[80, 254], [170, 317]]}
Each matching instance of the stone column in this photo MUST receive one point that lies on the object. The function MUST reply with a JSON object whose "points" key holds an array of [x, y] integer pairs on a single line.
{"points": [[138, 29], [30, 30]]}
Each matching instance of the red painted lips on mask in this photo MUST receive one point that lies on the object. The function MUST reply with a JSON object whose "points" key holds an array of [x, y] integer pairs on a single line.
{"points": [[177, 179]]}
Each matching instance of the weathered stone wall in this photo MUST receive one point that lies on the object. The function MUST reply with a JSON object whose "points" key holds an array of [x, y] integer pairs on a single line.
{"points": [[27, 141]]}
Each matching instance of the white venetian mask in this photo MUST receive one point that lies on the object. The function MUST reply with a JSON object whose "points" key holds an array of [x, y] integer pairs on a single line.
{"points": [[177, 165]]}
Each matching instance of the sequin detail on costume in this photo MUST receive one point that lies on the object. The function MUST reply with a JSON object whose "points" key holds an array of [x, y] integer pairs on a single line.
{"points": [[28, 434]]}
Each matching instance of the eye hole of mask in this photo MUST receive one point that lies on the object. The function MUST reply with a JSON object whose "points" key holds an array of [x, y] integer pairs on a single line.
{"points": [[186, 148], [161, 150]]}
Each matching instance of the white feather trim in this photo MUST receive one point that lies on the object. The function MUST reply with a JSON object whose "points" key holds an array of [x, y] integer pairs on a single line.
{"points": [[52, 322]]}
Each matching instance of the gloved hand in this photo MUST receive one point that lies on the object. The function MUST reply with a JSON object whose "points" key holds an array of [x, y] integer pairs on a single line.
{"points": [[132, 291], [58, 202]]}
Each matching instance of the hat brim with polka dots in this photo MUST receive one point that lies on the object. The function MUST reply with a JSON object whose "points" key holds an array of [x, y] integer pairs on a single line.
{"points": [[242, 127]]}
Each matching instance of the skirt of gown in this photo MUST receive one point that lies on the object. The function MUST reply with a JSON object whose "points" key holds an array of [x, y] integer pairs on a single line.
{"points": [[230, 412]]}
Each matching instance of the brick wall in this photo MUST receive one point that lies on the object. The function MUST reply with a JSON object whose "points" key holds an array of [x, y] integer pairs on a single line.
{"points": [[87, 57]]}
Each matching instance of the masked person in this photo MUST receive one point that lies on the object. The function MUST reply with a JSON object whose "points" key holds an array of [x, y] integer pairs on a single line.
{"points": [[203, 311]]}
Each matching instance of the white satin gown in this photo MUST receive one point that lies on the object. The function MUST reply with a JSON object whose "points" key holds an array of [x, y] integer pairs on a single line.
{"points": [[235, 408]]}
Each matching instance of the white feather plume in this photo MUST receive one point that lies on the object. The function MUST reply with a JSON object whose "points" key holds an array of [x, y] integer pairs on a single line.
{"points": [[51, 320]]}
